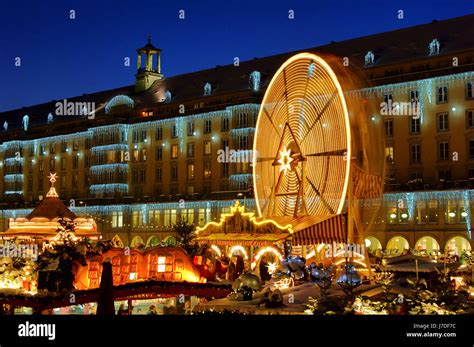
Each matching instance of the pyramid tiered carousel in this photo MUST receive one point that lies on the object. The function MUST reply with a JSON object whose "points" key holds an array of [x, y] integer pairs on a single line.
{"points": [[42, 223]]}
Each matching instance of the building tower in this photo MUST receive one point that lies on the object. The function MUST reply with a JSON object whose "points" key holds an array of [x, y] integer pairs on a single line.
{"points": [[151, 71]]}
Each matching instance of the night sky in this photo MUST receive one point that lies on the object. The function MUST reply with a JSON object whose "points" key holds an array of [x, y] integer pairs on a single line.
{"points": [[63, 57]]}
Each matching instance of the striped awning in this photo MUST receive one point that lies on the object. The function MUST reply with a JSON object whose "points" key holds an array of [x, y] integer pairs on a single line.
{"points": [[331, 229]]}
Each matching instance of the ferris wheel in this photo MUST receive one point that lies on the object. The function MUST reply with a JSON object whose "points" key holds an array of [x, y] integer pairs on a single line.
{"points": [[302, 145]]}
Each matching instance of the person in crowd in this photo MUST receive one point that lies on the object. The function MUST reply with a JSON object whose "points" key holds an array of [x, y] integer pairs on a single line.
{"points": [[152, 310]]}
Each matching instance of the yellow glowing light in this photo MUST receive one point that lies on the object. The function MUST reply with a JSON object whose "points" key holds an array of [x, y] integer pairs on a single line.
{"points": [[266, 250], [353, 260], [217, 250], [237, 208], [284, 283], [272, 267], [285, 160], [268, 114], [238, 248]]}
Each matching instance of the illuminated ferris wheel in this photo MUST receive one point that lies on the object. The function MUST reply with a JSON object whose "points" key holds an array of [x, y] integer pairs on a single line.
{"points": [[302, 145]]}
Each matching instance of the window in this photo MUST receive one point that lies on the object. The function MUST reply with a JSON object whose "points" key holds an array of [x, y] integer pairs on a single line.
{"points": [[207, 147], [225, 169], [389, 154], [389, 128], [174, 131], [190, 171], [444, 175], [469, 118], [174, 173], [190, 189], [443, 122], [143, 154], [88, 143], [63, 163], [190, 150], [159, 153], [31, 151], [442, 94], [225, 124], [159, 174], [63, 147], [42, 149], [137, 218], [471, 149], [75, 162], [143, 175], [154, 217], [415, 153], [75, 181], [117, 219], [187, 214], [416, 176], [224, 143], [169, 218], [413, 96], [159, 133], [52, 148], [415, 125], [207, 169], [41, 165], [174, 151], [190, 129], [135, 155], [75, 145], [388, 98], [207, 126], [135, 176], [87, 161], [243, 141], [443, 151], [243, 120], [469, 90]]}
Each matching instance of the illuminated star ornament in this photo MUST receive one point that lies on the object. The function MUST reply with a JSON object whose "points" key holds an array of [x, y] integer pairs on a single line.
{"points": [[285, 160], [53, 177], [52, 191]]}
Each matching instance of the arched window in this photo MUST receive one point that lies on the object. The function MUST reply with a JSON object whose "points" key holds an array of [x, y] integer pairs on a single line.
{"points": [[397, 245], [137, 241], [170, 241], [427, 245], [457, 245], [153, 241]]}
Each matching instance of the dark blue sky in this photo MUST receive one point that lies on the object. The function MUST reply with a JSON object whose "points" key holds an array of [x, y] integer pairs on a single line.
{"points": [[61, 57]]}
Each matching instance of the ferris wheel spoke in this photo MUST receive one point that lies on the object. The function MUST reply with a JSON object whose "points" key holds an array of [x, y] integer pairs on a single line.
{"points": [[320, 114], [336, 153], [271, 121], [325, 203]]}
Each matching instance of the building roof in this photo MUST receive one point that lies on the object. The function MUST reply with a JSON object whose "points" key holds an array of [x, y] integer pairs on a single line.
{"points": [[390, 48]]}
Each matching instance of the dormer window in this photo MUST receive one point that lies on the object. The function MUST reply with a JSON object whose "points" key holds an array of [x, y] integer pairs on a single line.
{"points": [[255, 81], [167, 98], [369, 58], [207, 89], [434, 47]]}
